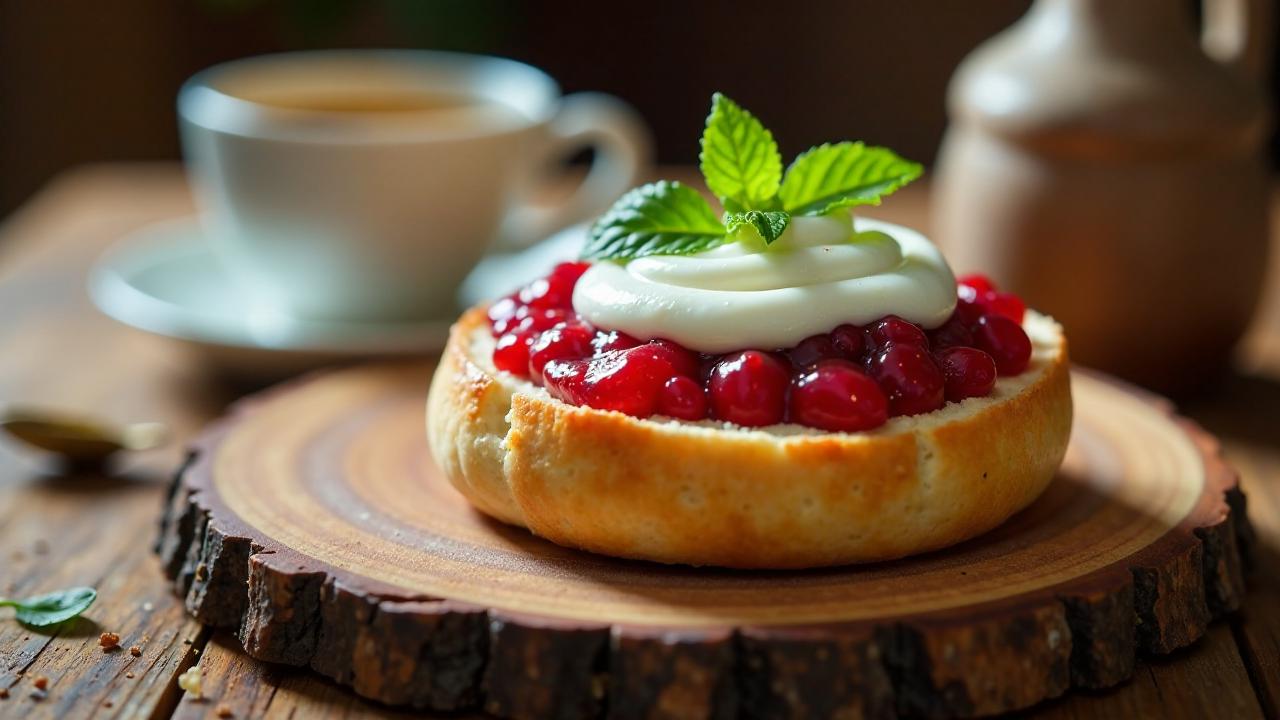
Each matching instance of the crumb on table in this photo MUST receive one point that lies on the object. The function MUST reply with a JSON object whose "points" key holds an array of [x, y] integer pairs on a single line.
{"points": [[192, 681], [4, 693], [135, 651], [41, 682], [224, 711], [109, 641]]}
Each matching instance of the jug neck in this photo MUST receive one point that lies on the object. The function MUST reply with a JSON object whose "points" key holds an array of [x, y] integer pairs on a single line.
{"points": [[1116, 24]]}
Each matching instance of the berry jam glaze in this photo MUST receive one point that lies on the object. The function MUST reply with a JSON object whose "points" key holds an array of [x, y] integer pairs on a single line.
{"points": [[851, 379]]}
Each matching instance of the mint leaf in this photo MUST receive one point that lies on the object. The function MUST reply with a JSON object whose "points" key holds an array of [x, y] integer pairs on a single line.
{"points": [[662, 218], [739, 159], [829, 177], [52, 608], [770, 225]]}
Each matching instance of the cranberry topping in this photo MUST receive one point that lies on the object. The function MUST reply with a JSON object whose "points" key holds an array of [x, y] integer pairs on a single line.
{"points": [[910, 379], [835, 395], [812, 349], [606, 340], [953, 333], [624, 380], [968, 312], [565, 341], [749, 388], [1006, 304], [893, 329], [503, 310], [556, 289], [972, 286], [1005, 341], [967, 372], [980, 291], [821, 382], [685, 361], [511, 352], [528, 318], [682, 398], [850, 341]]}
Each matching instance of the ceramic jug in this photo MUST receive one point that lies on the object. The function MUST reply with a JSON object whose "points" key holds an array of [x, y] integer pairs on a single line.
{"points": [[1106, 164]]}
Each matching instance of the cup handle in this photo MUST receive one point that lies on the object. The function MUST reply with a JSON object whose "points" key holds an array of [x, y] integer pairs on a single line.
{"points": [[622, 153]]}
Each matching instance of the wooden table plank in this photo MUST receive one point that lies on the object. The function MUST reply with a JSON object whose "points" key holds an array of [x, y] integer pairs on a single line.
{"points": [[55, 349], [96, 530], [1208, 680], [1257, 625]]}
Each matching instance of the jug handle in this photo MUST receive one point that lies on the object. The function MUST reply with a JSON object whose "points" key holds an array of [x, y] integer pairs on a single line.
{"points": [[1238, 33]]}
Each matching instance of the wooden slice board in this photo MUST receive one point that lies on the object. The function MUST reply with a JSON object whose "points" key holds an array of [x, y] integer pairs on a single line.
{"points": [[313, 520]]}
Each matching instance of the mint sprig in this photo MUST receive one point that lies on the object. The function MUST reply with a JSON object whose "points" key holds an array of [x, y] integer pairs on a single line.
{"points": [[830, 177], [662, 218], [740, 163], [739, 158], [52, 608], [770, 224]]}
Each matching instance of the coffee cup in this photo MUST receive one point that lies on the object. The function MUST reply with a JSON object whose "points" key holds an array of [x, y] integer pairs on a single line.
{"points": [[366, 184]]}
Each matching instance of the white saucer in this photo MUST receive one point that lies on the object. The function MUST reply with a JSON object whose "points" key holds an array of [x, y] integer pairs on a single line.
{"points": [[164, 280], [498, 275]]}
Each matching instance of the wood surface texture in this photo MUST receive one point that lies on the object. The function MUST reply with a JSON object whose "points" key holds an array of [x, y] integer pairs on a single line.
{"points": [[57, 530]]}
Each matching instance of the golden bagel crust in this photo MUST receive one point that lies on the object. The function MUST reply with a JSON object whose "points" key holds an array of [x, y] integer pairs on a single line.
{"points": [[711, 494]]}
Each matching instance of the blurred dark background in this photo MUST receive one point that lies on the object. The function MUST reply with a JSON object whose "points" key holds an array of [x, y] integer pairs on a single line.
{"points": [[82, 81]]}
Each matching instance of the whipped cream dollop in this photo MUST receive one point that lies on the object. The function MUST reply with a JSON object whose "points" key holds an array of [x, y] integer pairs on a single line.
{"points": [[822, 272]]}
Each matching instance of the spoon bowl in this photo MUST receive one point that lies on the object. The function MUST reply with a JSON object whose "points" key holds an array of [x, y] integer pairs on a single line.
{"points": [[77, 439]]}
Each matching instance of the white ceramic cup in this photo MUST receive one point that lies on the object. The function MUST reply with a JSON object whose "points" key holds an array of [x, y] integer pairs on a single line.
{"points": [[380, 214]]}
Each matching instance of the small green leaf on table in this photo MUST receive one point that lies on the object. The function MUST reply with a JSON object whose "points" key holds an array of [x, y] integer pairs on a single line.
{"points": [[51, 608]]}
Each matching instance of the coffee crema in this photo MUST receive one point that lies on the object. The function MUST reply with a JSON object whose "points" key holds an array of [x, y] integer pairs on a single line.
{"points": [[370, 102]]}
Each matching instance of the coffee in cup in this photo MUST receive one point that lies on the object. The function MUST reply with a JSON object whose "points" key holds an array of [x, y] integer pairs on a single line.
{"points": [[366, 184]]}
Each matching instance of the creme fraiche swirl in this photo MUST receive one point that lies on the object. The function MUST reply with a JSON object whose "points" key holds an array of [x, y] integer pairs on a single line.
{"points": [[822, 272]]}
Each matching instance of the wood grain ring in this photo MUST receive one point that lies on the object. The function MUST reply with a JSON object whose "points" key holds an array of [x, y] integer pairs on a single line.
{"points": [[313, 520]]}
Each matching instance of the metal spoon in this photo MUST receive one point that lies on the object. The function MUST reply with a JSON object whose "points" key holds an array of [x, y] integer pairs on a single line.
{"points": [[79, 440]]}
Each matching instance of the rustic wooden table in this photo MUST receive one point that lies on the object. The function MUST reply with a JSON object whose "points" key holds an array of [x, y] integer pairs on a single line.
{"points": [[57, 531]]}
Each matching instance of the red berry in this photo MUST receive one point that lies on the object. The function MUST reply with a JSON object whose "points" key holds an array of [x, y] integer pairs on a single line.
{"points": [[834, 395], [849, 341], [503, 311], [706, 364], [749, 388], [566, 380], [606, 340], [812, 349], [1006, 304], [909, 378], [893, 329], [1005, 341], [556, 289], [682, 398], [953, 333], [530, 318], [968, 312], [511, 352], [565, 341], [973, 286], [967, 372], [568, 273], [628, 381], [685, 361]]}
